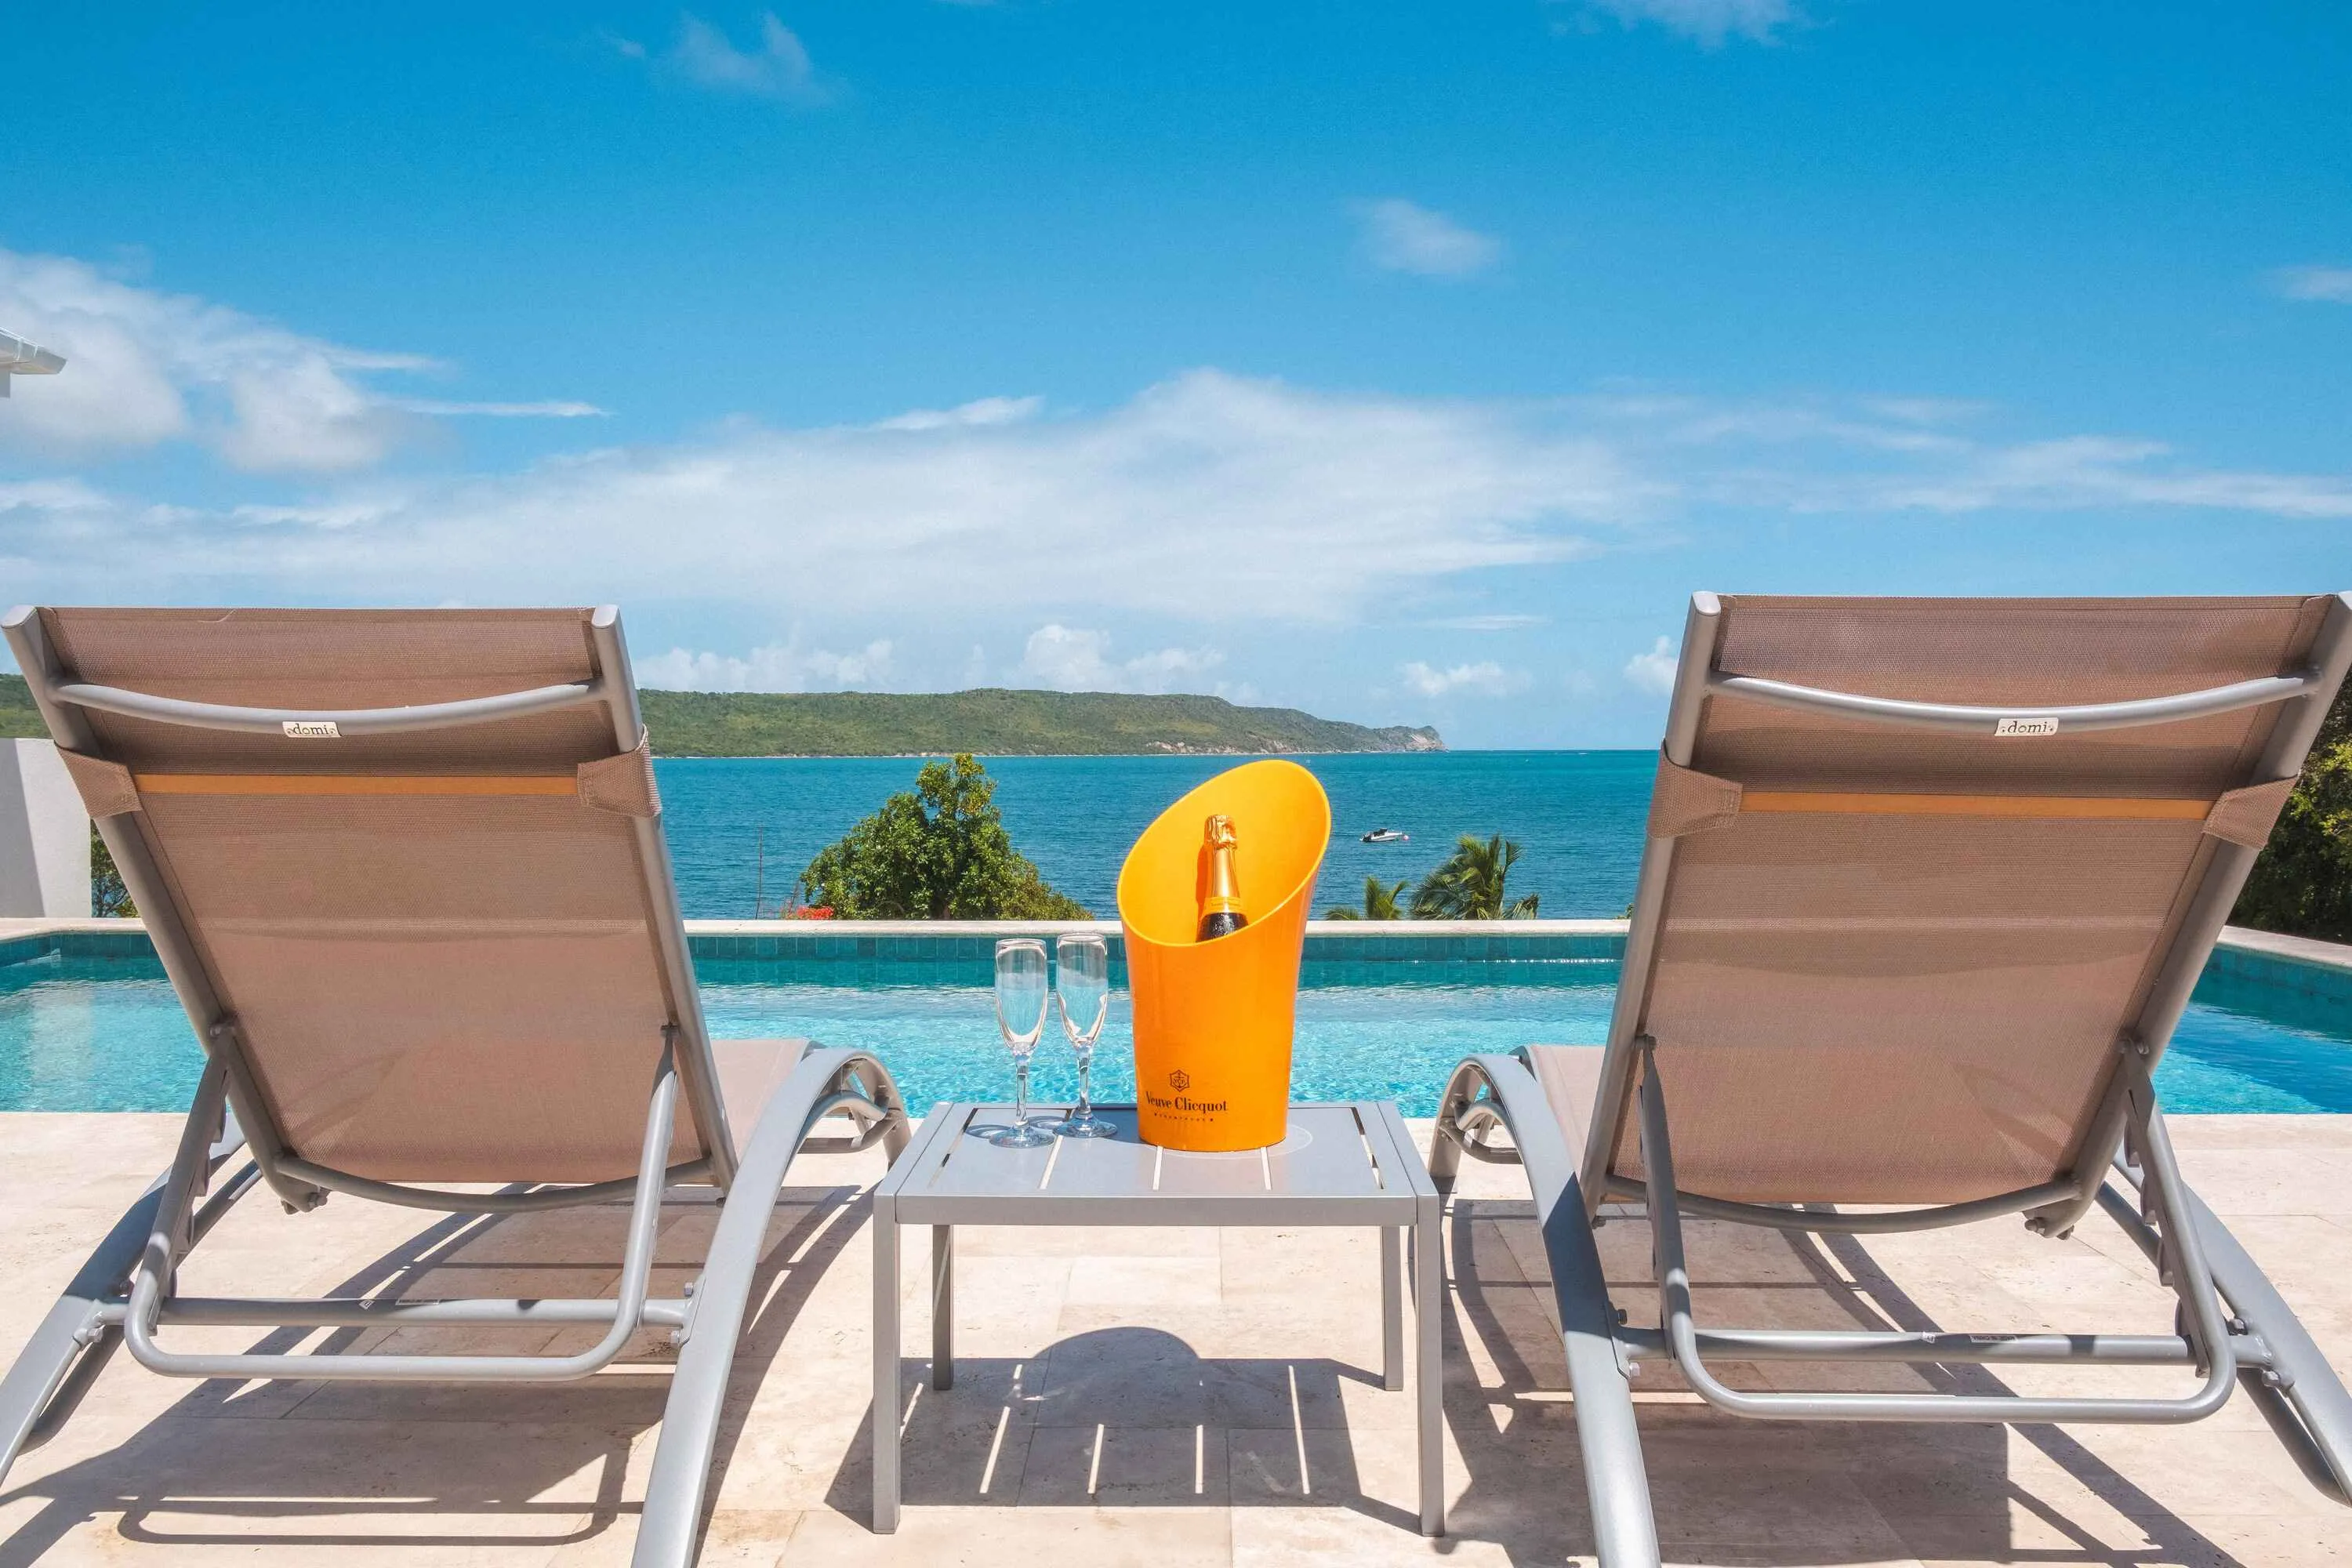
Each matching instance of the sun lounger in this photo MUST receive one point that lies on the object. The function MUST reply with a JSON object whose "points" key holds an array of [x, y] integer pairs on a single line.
{"points": [[405, 870], [1926, 887]]}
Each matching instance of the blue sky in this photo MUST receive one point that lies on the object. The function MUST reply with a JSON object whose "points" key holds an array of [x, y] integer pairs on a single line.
{"points": [[1402, 363]]}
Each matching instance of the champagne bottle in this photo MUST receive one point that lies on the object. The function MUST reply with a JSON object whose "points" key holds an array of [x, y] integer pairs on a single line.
{"points": [[1221, 911]]}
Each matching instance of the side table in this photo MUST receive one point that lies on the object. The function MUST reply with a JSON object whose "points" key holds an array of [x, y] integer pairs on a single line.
{"points": [[1349, 1164]]}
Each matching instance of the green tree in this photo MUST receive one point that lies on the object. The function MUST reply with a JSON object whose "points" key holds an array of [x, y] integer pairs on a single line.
{"points": [[2301, 885], [1379, 903], [940, 852], [1470, 884], [107, 896]]}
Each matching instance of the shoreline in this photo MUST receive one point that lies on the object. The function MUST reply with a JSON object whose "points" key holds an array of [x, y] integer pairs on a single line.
{"points": [[991, 756]]}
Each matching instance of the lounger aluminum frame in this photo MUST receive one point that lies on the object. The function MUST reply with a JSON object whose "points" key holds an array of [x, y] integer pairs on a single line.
{"points": [[127, 1290], [2234, 1329]]}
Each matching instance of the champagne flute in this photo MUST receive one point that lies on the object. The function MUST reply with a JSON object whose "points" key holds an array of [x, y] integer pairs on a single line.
{"points": [[1083, 988], [1021, 1017]]}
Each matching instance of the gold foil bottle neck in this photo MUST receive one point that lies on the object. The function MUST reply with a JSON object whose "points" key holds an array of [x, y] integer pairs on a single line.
{"points": [[1221, 910]]}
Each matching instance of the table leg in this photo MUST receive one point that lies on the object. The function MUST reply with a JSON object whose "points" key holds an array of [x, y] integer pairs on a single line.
{"points": [[942, 1307], [885, 1366], [1428, 1371], [1392, 1309]]}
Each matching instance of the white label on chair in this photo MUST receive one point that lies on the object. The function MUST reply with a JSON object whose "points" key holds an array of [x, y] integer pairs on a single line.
{"points": [[2041, 725], [324, 729]]}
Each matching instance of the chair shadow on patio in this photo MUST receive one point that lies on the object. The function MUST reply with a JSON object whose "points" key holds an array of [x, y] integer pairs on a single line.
{"points": [[1758, 1492], [428, 1465]]}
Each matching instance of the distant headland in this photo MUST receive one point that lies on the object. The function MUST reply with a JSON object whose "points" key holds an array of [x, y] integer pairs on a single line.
{"points": [[992, 721]]}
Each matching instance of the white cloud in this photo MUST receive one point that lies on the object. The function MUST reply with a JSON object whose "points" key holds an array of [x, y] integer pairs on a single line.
{"points": [[777, 67], [2329, 283], [1208, 498], [552, 410], [1816, 457], [1924, 410], [304, 413], [1708, 21], [778, 666], [2076, 472], [1402, 236], [144, 367], [1494, 623], [1069, 660], [980, 413], [1484, 678], [1654, 671]]}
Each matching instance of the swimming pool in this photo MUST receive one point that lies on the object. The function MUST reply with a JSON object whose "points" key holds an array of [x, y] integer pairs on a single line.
{"points": [[91, 1024]]}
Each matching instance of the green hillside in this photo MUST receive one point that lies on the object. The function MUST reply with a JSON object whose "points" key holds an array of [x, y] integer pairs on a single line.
{"points": [[19, 719], [991, 722]]}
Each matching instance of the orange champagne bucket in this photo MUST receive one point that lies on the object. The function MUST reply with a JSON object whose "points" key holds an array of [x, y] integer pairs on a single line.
{"points": [[1213, 1019]]}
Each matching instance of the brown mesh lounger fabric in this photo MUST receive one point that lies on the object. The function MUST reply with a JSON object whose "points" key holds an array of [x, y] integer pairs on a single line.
{"points": [[406, 871], [1926, 887]]}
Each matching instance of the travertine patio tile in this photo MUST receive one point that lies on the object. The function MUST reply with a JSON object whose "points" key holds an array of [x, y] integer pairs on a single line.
{"points": [[1790, 1514], [2236, 1181], [1346, 1331], [1019, 1537], [360, 1540], [1146, 1377], [992, 1288], [1282, 1537], [1200, 1354], [2251, 1538], [1344, 1264], [735, 1538], [2316, 1134], [2307, 1257], [2033, 1532], [1111, 1465], [1133, 1282]]}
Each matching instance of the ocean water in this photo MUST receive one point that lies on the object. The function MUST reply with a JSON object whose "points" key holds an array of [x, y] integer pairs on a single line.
{"points": [[1575, 816]]}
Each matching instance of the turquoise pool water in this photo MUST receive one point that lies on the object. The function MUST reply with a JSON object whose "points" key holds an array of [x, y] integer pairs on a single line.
{"points": [[94, 1032]]}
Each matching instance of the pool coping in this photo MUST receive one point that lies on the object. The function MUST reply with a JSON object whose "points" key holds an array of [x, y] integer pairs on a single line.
{"points": [[2253, 953]]}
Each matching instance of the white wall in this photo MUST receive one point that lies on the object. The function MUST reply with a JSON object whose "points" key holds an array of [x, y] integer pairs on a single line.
{"points": [[44, 834]]}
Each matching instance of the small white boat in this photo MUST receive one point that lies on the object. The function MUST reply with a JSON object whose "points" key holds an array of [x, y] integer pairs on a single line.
{"points": [[1387, 836]]}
